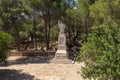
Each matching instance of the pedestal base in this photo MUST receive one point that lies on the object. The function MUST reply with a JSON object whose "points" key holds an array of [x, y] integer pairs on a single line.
{"points": [[61, 61], [61, 56]]}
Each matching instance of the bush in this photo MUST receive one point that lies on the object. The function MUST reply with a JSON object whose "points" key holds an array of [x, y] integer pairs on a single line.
{"points": [[5, 40], [101, 53]]}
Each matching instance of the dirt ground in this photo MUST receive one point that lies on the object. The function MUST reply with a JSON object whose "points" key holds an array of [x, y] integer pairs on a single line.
{"points": [[38, 68]]}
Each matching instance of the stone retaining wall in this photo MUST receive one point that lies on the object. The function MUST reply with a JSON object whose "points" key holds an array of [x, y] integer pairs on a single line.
{"points": [[36, 53]]}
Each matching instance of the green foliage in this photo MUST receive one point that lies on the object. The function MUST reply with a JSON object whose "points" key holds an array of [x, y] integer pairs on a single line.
{"points": [[28, 31], [5, 40], [105, 10], [78, 20], [54, 33], [12, 16], [101, 50], [101, 53]]}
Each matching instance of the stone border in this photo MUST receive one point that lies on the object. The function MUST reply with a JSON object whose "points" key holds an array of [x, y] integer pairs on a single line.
{"points": [[35, 53]]}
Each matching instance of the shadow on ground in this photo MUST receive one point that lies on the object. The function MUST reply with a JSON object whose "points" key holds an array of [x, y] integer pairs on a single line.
{"points": [[27, 60], [7, 74]]}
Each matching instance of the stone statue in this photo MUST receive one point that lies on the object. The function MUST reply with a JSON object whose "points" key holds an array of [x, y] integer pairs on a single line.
{"points": [[61, 27], [61, 56], [61, 49]]}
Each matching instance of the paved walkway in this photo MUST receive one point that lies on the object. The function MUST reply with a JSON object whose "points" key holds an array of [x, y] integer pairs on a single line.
{"points": [[29, 68]]}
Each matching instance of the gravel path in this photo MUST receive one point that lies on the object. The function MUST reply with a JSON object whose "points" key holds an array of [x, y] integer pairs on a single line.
{"points": [[36, 68]]}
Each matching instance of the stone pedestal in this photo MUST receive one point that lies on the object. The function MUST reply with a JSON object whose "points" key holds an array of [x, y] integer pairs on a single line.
{"points": [[61, 49]]}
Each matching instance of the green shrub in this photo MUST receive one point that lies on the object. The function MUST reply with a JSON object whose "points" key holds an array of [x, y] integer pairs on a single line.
{"points": [[101, 53], [5, 40]]}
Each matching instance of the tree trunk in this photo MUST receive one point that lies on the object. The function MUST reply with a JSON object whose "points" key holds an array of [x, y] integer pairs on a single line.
{"points": [[18, 41], [47, 28], [34, 25], [46, 34], [18, 37], [49, 32]]}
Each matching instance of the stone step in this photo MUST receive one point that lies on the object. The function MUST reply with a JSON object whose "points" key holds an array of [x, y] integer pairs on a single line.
{"points": [[61, 61]]}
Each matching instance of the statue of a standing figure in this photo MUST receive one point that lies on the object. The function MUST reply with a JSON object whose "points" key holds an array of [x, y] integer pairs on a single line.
{"points": [[61, 56], [61, 27]]}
